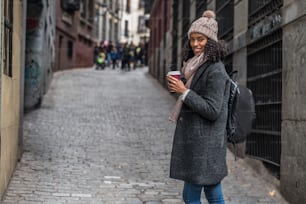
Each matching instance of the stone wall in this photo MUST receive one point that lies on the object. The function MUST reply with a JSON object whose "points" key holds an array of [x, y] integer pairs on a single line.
{"points": [[293, 162], [11, 99], [40, 51]]}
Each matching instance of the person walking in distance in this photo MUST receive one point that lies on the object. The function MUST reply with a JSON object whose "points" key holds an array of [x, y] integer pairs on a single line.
{"points": [[198, 154]]}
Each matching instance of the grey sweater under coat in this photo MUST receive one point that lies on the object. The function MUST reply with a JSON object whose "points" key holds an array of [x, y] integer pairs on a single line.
{"points": [[199, 145]]}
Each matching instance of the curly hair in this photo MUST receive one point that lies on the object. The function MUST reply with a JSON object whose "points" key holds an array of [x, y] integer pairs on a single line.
{"points": [[214, 51]]}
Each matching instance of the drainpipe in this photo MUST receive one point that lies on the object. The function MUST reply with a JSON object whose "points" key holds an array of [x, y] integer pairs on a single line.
{"points": [[22, 70]]}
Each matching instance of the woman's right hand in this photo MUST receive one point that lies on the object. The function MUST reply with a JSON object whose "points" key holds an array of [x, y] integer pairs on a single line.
{"points": [[175, 85]]}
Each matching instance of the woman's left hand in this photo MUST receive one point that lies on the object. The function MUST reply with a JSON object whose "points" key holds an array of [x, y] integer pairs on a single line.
{"points": [[176, 85]]}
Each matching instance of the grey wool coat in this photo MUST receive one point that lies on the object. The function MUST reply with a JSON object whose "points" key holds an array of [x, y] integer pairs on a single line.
{"points": [[199, 144]]}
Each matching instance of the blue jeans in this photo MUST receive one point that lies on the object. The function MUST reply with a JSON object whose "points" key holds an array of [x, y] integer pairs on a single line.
{"points": [[192, 193]]}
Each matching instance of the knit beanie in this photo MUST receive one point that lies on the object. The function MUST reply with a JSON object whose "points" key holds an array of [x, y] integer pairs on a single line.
{"points": [[206, 25]]}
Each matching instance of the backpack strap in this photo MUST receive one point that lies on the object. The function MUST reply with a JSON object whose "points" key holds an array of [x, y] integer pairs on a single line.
{"points": [[233, 75], [233, 72]]}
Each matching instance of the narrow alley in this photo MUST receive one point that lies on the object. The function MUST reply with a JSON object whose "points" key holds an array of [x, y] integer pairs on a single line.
{"points": [[103, 137]]}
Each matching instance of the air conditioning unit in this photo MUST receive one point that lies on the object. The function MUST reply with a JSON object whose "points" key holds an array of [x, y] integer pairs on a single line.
{"points": [[70, 5]]}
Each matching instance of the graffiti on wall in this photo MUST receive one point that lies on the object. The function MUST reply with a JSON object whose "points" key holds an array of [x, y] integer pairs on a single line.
{"points": [[32, 75], [39, 51], [33, 67], [33, 82]]}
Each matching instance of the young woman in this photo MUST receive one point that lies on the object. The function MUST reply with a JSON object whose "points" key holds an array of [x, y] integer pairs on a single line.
{"points": [[199, 146]]}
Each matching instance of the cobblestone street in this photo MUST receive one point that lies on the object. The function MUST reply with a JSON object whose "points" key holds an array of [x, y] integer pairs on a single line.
{"points": [[103, 137]]}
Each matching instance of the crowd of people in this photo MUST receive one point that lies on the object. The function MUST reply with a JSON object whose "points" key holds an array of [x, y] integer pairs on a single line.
{"points": [[125, 56]]}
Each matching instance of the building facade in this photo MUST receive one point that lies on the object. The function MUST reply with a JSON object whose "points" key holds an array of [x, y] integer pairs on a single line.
{"points": [[133, 23], [121, 21], [293, 134], [12, 57], [40, 51], [108, 16], [267, 47], [74, 41], [84, 45], [66, 35]]}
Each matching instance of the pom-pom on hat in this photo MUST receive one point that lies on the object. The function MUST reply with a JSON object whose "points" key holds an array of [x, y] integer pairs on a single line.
{"points": [[206, 25]]}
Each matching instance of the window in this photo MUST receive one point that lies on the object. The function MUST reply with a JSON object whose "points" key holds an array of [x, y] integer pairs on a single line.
{"points": [[128, 6], [69, 5], [90, 11], [104, 28], [116, 30], [8, 37], [83, 8], [110, 28], [225, 17], [141, 4], [200, 7], [111, 5], [70, 49], [126, 28], [141, 24]]}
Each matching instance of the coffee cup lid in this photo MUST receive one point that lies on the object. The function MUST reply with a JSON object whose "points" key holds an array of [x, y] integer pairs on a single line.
{"points": [[174, 73]]}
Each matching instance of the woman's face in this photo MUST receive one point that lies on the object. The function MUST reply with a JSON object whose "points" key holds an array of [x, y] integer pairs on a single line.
{"points": [[197, 43]]}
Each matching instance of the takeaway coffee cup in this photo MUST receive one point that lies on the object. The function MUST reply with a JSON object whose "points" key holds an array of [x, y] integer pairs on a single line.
{"points": [[176, 74]]}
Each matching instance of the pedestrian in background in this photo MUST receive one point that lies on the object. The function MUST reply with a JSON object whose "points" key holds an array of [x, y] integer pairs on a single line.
{"points": [[114, 56], [139, 55], [119, 53], [125, 61], [97, 49], [101, 60], [108, 53], [199, 146]]}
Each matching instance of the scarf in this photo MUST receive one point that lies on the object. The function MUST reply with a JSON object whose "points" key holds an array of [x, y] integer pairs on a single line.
{"points": [[188, 70]]}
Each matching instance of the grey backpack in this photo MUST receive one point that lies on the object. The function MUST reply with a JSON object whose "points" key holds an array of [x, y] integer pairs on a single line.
{"points": [[241, 112]]}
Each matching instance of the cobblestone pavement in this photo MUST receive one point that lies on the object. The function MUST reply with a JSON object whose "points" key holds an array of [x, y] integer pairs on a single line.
{"points": [[103, 137]]}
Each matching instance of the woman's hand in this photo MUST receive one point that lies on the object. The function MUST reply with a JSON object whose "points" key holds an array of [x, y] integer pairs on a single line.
{"points": [[176, 85]]}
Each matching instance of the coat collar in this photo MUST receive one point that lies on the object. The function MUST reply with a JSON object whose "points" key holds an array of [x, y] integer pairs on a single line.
{"points": [[199, 73]]}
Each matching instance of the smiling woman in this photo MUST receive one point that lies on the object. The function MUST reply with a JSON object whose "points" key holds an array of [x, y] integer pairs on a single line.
{"points": [[199, 147], [197, 43]]}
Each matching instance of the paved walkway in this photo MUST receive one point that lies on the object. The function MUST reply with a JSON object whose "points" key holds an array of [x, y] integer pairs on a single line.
{"points": [[102, 137]]}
